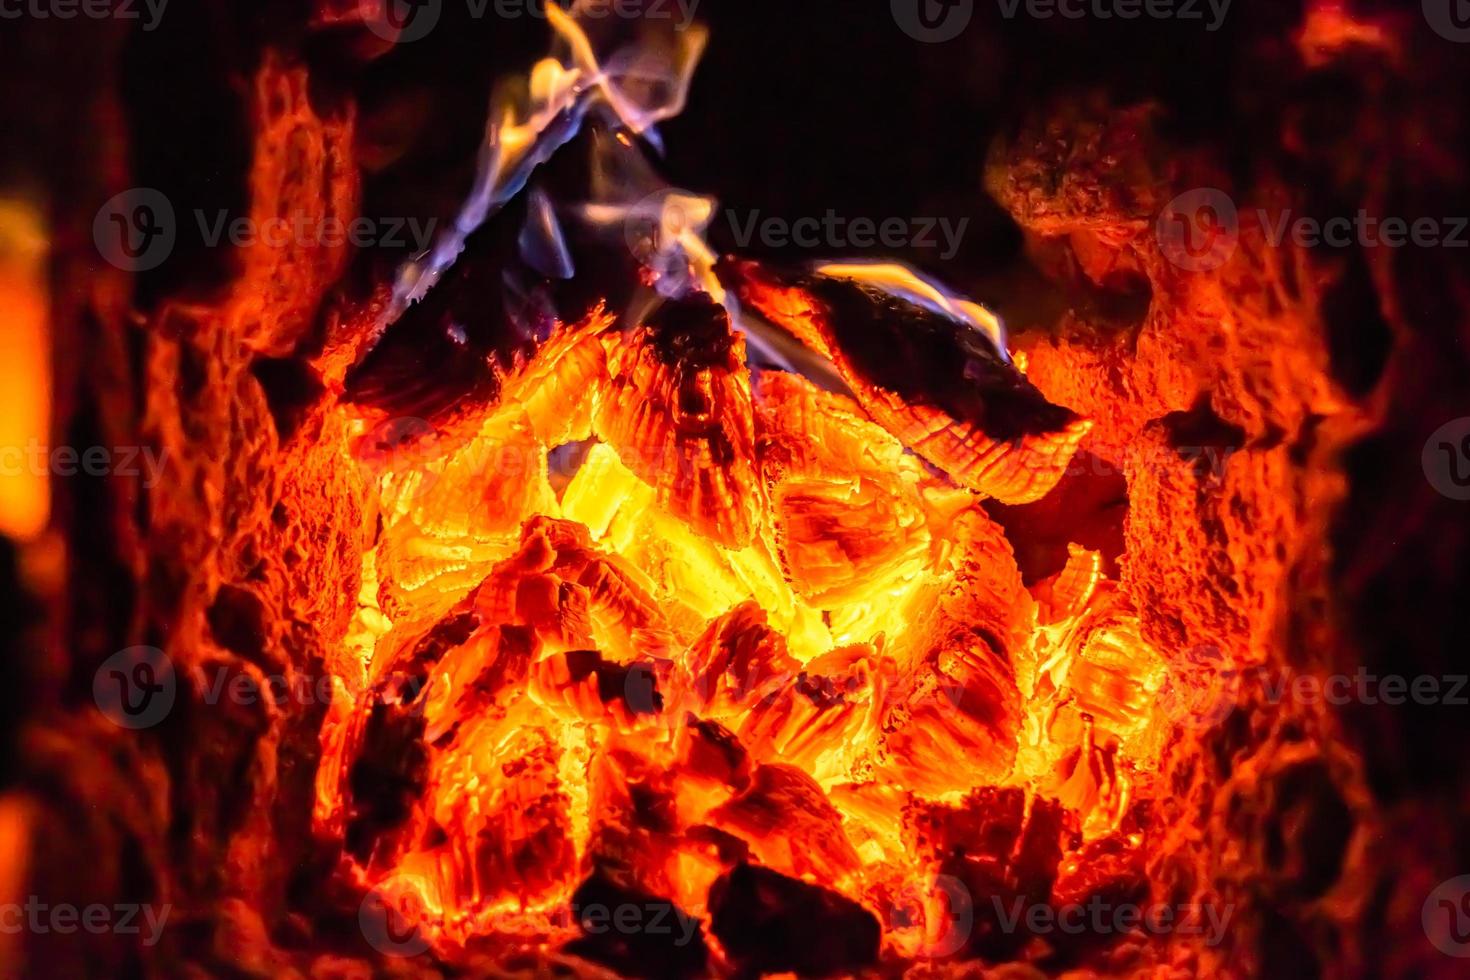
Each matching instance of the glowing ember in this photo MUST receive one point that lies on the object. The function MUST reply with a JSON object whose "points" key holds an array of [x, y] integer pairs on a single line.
{"points": [[751, 631], [656, 628]]}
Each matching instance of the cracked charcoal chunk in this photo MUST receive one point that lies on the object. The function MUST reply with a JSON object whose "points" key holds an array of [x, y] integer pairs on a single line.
{"points": [[769, 923], [844, 494], [789, 823], [739, 661]]}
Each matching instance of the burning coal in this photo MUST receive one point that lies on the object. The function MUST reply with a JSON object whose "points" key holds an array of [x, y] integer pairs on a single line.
{"points": [[700, 611]]}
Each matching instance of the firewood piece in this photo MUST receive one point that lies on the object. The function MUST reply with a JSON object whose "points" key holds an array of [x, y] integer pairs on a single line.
{"points": [[460, 350], [941, 388], [769, 923], [678, 411]]}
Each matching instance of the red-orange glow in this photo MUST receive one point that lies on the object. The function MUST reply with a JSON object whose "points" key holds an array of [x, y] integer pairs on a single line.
{"points": [[1328, 28], [25, 372], [752, 625]]}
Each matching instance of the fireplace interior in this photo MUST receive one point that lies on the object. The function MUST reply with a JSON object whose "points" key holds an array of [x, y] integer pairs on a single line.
{"points": [[753, 493]]}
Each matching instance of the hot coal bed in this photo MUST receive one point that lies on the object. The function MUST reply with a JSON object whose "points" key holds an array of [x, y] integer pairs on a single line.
{"points": [[585, 533]]}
